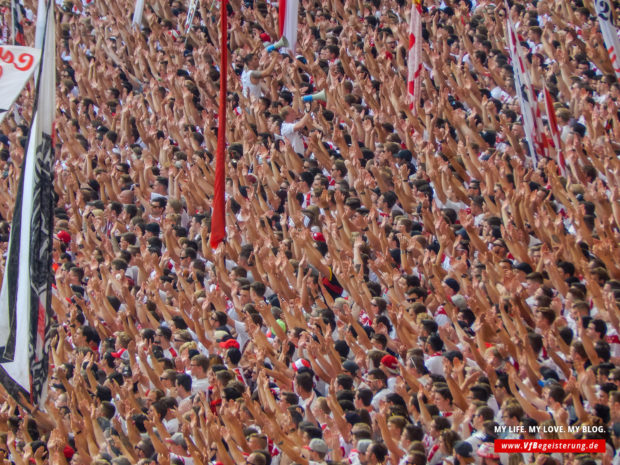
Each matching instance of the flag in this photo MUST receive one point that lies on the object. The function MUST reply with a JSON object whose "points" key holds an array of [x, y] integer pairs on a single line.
{"points": [[288, 15], [555, 130], [137, 13], [16, 66], [25, 297], [193, 4], [414, 59], [532, 121], [218, 218], [610, 35], [17, 30]]}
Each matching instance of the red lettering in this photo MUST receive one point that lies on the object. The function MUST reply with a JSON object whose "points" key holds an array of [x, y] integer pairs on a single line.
{"points": [[26, 58], [6, 56], [23, 62]]}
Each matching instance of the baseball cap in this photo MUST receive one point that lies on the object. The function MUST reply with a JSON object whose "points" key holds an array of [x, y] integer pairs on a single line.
{"points": [[64, 236], [464, 449], [390, 362], [229, 344], [318, 445], [178, 439], [319, 237], [351, 366]]}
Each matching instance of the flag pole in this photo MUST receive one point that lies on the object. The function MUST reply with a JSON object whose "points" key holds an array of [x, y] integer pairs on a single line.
{"points": [[12, 14], [218, 219]]}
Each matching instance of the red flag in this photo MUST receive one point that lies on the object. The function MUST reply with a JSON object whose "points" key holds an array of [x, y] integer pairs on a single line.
{"points": [[218, 218], [555, 130]]}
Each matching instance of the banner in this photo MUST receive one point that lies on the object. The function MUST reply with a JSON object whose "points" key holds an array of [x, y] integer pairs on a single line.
{"points": [[414, 58], [218, 218], [288, 15], [25, 297], [193, 4], [610, 35], [555, 130], [532, 122], [16, 66]]}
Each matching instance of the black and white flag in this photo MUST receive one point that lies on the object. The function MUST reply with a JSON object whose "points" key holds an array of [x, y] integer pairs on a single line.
{"points": [[25, 297]]}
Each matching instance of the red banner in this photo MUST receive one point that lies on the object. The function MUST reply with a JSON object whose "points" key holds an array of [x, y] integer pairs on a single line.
{"points": [[218, 218]]}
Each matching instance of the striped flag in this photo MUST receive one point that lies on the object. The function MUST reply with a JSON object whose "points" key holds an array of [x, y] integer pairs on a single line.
{"points": [[414, 60], [610, 35], [555, 130], [25, 297], [532, 121], [288, 15]]}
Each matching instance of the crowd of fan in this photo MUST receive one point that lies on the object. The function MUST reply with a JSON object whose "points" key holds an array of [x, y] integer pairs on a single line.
{"points": [[393, 288]]}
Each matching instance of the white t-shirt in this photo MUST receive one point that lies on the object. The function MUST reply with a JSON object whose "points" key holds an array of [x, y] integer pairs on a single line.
{"points": [[288, 131], [251, 90], [434, 364], [200, 385]]}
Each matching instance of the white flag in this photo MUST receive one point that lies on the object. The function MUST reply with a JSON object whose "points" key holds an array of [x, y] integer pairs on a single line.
{"points": [[610, 35], [16, 66], [25, 297]]}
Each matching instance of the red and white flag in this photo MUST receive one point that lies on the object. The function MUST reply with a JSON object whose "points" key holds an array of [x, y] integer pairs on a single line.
{"points": [[288, 16], [16, 66], [414, 58], [532, 121], [555, 131], [610, 35]]}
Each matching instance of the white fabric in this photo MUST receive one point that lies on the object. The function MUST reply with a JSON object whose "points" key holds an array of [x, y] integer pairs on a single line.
{"points": [[291, 17], [251, 90], [14, 76], [288, 131]]}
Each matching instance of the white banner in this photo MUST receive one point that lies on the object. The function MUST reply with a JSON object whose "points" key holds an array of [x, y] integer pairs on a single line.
{"points": [[610, 35], [16, 66]]}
